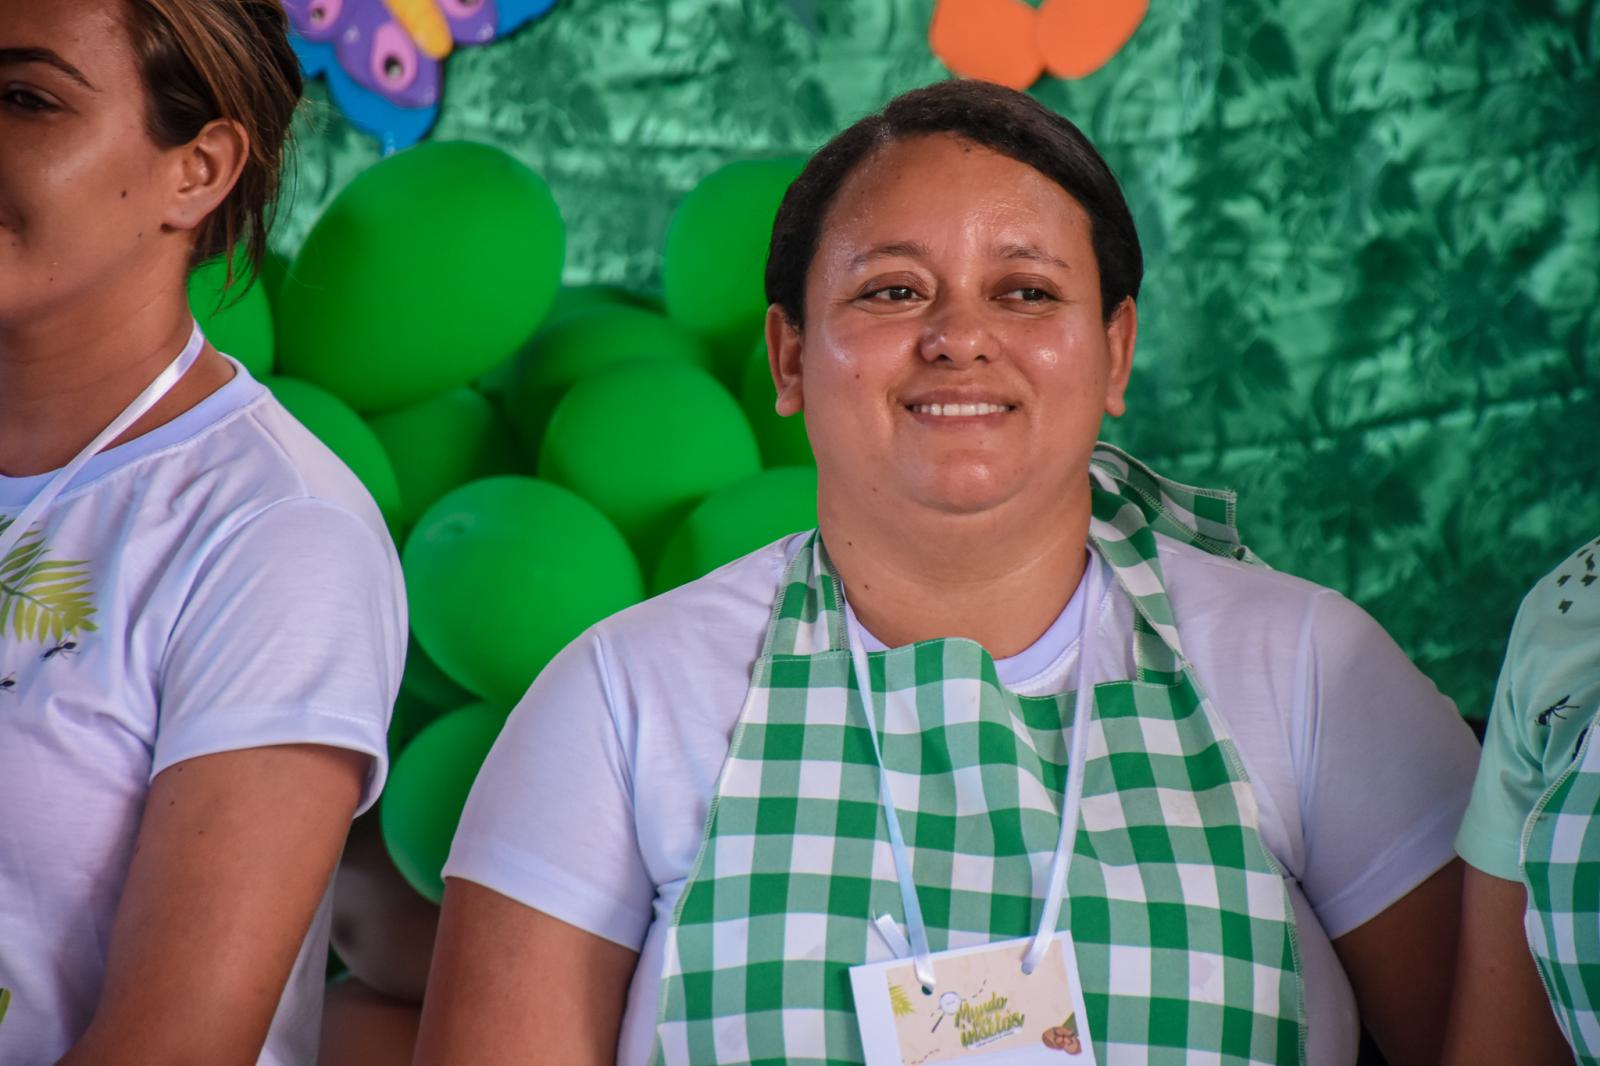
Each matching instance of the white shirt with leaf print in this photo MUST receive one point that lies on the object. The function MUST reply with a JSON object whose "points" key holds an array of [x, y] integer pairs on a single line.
{"points": [[220, 583]]}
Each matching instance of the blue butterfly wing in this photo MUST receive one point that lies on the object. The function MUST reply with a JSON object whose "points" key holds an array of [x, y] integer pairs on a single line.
{"points": [[376, 74], [514, 13], [395, 127], [314, 58]]}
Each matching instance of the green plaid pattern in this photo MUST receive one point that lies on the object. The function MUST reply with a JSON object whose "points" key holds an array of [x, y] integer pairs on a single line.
{"points": [[1181, 918], [1561, 867]]}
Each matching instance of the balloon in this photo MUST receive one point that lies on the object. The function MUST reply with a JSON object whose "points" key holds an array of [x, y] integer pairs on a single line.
{"points": [[440, 443], [737, 520], [572, 298], [497, 382], [274, 268], [409, 716], [423, 680], [581, 343], [342, 430], [714, 263], [238, 320], [429, 268], [644, 442], [427, 789], [782, 438], [503, 573]]}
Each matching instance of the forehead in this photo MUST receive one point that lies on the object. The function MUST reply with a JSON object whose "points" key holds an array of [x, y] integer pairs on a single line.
{"points": [[941, 186], [88, 35]]}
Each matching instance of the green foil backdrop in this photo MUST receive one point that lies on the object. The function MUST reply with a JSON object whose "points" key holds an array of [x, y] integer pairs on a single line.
{"points": [[1371, 231]]}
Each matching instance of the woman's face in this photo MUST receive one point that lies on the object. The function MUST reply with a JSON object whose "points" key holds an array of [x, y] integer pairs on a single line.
{"points": [[954, 355], [84, 190]]}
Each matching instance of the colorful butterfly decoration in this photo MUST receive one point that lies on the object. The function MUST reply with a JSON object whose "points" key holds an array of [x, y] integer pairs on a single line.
{"points": [[384, 59]]}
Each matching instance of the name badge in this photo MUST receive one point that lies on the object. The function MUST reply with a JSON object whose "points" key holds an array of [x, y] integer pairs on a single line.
{"points": [[984, 1010]]}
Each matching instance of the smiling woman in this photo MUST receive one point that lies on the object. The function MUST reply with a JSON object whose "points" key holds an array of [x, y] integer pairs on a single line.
{"points": [[1018, 706], [178, 768]]}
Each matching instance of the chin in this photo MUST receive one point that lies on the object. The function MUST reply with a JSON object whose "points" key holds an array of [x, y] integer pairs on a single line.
{"points": [[966, 488]]}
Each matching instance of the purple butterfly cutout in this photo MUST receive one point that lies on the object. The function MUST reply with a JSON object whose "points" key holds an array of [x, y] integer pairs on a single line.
{"points": [[377, 72]]}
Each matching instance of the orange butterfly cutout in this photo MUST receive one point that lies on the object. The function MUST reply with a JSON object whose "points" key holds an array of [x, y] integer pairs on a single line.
{"points": [[1011, 43]]}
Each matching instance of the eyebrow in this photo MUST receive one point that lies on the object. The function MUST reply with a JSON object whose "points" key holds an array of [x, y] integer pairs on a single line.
{"points": [[891, 250], [1032, 254], [918, 250], [10, 57]]}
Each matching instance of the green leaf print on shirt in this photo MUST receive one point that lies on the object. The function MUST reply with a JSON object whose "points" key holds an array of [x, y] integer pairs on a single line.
{"points": [[41, 598]]}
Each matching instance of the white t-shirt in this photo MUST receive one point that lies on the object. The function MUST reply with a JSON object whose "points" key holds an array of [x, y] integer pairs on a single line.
{"points": [[592, 805], [244, 593]]}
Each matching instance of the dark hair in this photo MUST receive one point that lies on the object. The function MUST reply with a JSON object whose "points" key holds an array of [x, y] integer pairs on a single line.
{"points": [[1000, 119], [207, 59]]}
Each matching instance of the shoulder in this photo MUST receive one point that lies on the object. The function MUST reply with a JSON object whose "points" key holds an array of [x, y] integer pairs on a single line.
{"points": [[720, 619], [1554, 654], [269, 459], [1214, 595]]}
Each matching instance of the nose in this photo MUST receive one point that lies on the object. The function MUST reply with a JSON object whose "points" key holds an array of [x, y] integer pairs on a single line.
{"points": [[957, 335]]}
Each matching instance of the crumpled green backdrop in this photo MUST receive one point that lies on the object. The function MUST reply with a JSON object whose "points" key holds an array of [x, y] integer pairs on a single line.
{"points": [[1371, 231]]}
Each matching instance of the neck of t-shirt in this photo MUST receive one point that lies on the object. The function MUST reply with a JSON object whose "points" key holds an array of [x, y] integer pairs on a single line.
{"points": [[15, 492], [1033, 660]]}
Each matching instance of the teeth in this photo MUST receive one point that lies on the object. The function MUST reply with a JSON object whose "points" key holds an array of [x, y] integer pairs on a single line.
{"points": [[953, 410]]}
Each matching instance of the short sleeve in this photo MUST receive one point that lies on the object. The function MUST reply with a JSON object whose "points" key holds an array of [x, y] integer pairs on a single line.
{"points": [[1546, 700], [550, 820], [292, 631], [1510, 781], [1388, 764]]}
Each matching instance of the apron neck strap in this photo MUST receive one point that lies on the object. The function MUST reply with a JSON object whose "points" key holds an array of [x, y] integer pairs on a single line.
{"points": [[1129, 504]]}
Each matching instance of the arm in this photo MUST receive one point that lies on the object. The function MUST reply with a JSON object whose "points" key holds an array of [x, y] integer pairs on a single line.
{"points": [[1399, 964], [233, 856], [1387, 765], [1500, 1012], [507, 978]]}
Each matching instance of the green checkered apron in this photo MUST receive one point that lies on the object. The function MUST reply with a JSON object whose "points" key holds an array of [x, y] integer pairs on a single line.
{"points": [[1561, 868], [1185, 936]]}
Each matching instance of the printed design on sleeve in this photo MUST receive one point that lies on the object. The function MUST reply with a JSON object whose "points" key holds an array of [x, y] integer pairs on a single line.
{"points": [[1580, 578], [43, 599]]}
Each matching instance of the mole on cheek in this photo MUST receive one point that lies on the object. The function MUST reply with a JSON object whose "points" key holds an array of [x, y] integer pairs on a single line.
{"points": [[124, 194]]}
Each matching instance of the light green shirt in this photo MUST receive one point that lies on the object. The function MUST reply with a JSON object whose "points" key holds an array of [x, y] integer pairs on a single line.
{"points": [[1546, 699]]}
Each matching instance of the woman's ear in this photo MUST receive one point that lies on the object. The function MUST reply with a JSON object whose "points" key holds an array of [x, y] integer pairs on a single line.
{"points": [[783, 356], [205, 171], [1121, 332]]}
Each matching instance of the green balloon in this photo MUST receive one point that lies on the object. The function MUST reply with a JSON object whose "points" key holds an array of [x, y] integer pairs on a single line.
{"points": [[782, 438], [503, 573], [237, 320], [714, 264], [644, 442], [352, 440], [409, 716], [427, 789], [440, 443], [497, 382], [429, 268], [736, 521], [423, 680], [582, 297], [581, 343], [274, 268]]}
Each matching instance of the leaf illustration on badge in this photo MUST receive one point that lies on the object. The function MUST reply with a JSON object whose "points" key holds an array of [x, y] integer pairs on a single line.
{"points": [[43, 599], [5, 1002]]}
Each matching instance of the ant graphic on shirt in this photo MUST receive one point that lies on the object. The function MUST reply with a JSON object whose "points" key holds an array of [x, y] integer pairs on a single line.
{"points": [[63, 647], [1555, 709]]}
